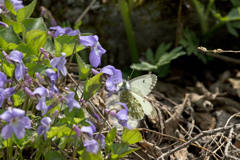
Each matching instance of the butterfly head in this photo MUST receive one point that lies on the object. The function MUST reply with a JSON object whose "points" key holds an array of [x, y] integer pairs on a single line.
{"points": [[124, 85]]}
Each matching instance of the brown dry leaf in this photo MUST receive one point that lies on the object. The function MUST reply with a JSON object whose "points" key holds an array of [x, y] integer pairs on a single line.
{"points": [[171, 124], [201, 103], [236, 85], [219, 84], [181, 154], [150, 148], [98, 101], [205, 121]]}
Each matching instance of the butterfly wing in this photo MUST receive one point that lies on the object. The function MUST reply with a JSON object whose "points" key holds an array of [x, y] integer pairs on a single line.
{"points": [[143, 85], [145, 105], [134, 106]]}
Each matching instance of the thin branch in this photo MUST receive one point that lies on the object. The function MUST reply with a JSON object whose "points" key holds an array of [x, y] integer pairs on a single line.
{"points": [[228, 145], [204, 133], [212, 53], [85, 11]]}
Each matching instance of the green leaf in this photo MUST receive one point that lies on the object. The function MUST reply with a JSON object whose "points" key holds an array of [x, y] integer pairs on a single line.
{"points": [[118, 148], [90, 156], [26, 12], [66, 43], [49, 46], [37, 38], [10, 7], [34, 24], [91, 86], [10, 36], [236, 24], [29, 52], [235, 3], [190, 41], [18, 98], [9, 69], [54, 155], [161, 50], [128, 152], [111, 136], [109, 139], [166, 58], [130, 136], [150, 56], [143, 66], [59, 131], [231, 30], [233, 15], [3, 44], [16, 25], [121, 152], [40, 68], [84, 69], [75, 113]]}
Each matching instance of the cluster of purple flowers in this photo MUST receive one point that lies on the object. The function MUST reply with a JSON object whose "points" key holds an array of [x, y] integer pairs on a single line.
{"points": [[14, 117], [37, 89], [17, 4], [86, 135]]}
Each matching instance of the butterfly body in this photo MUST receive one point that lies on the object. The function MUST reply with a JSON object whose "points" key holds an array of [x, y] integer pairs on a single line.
{"points": [[132, 94]]}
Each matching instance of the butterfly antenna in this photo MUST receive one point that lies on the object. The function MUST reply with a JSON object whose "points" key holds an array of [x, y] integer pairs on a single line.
{"points": [[131, 74]]}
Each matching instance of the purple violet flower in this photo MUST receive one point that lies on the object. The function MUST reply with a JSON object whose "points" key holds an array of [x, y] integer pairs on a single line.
{"points": [[1, 97], [16, 122], [86, 134], [17, 57], [17, 4], [96, 49], [48, 15], [91, 146], [41, 93], [102, 140], [59, 63], [4, 25], [3, 80], [60, 31], [41, 80], [71, 102], [114, 78], [46, 121], [6, 56], [53, 78], [120, 115], [8, 92]]}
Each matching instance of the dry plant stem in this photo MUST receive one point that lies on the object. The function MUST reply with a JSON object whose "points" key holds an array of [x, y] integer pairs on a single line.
{"points": [[219, 147], [89, 100], [37, 64], [70, 62], [100, 112], [228, 123], [204, 133], [144, 129], [85, 11], [161, 125], [171, 124], [179, 27], [212, 53], [228, 144], [172, 115], [66, 155]]}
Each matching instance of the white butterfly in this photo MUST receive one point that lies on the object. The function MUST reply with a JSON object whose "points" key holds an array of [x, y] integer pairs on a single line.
{"points": [[132, 94]]}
